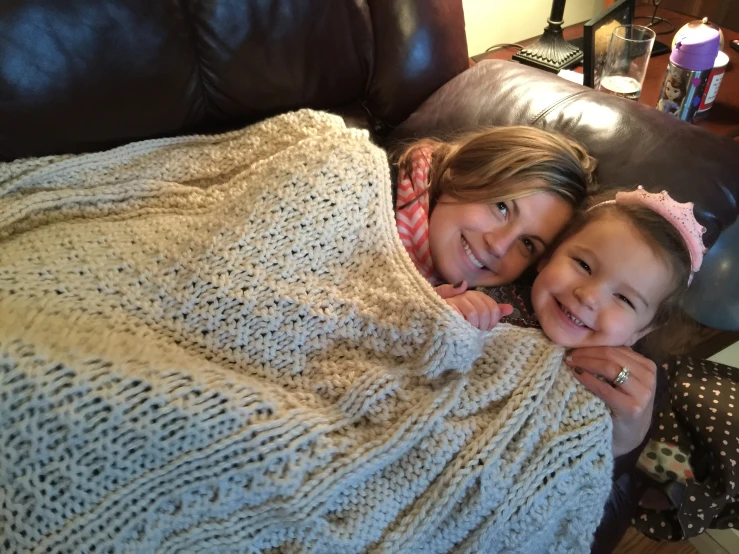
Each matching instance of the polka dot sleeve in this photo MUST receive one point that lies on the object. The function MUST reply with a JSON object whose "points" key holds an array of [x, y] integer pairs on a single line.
{"points": [[691, 464]]}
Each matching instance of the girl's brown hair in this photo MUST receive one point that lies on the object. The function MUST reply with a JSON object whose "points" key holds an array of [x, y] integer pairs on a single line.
{"points": [[503, 163], [671, 327]]}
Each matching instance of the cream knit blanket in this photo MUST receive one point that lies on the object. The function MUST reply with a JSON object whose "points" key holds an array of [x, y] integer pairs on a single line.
{"points": [[218, 344]]}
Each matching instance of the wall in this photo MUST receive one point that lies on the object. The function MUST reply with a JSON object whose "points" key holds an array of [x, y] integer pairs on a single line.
{"points": [[494, 21], [722, 12]]}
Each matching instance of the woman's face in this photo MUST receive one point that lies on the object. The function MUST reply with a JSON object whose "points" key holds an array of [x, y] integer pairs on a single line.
{"points": [[492, 244]]}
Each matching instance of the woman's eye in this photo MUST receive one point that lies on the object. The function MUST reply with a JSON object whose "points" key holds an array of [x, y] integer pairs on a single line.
{"points": [[502, 208], [582, 264], [622, 298], [529, 244]]}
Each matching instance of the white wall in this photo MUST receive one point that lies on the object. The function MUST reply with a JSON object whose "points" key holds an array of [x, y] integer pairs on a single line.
{"points": [[729, 356], [494, 21]]}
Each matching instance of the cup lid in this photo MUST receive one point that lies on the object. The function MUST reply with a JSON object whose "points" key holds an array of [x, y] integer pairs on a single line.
{"points": [[696, 46]]}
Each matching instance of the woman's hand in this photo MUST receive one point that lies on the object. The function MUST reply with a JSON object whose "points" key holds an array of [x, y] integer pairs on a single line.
{"points": [[632, 402], [476, 307]]}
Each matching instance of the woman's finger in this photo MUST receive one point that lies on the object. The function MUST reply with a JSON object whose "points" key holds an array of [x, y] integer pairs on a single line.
{"points": [[623, 355], [638, 359], [450, 291], [616, 399], [609, 361], [609, 370], [625, 407], [639, 394]]}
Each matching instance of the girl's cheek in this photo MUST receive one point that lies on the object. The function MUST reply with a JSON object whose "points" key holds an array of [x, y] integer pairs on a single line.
{"points": [[621, 320]]}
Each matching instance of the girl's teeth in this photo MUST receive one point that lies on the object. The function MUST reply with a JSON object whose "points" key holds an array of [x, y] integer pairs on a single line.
{"points": [[572, 317], [477, 263]]}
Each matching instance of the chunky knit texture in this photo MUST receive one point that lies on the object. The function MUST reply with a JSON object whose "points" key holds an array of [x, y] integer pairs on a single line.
{"points": [[219, 344]]}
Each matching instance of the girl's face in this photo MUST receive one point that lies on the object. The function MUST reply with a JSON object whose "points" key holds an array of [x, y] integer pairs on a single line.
{"points": [[601, 287], [492, 244]]}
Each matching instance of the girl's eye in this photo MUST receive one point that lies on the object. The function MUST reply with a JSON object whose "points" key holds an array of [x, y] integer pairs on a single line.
{"points": [[529, 244], [582, 264], [502, 208], [625, 300]]}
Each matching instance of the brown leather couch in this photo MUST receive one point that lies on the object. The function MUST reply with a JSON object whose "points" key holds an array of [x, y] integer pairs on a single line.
{"points": [[85, 75]]}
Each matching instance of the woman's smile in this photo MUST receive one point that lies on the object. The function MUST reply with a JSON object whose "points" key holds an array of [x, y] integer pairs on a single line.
{"points": [[475, 258]]}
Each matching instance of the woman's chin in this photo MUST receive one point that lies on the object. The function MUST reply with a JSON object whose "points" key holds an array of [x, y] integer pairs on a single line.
{"points": [[473, 279], [454, 275]]}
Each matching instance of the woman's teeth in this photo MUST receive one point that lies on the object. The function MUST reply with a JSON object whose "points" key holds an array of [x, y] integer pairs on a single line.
{"points": [[477, 263], [572, 317]]}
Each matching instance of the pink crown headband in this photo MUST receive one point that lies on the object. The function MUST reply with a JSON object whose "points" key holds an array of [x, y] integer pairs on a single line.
{"points": [[680, 215]]}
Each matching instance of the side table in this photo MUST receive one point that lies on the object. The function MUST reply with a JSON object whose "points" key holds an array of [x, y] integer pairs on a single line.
{"points": [[723, 119]]}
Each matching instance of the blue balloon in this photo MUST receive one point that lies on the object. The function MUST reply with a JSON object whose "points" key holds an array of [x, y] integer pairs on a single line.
{"points": [[713, 298]]}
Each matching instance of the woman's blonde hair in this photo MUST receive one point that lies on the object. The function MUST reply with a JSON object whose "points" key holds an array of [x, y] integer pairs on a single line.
{"points": [[503, 163]]}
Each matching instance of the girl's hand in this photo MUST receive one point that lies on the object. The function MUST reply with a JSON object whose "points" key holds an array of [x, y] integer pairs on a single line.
{"points": [[476, 307], [632, 402]]}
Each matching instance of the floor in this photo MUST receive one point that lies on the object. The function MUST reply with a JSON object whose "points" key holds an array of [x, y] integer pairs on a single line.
{"points": [[636, 543]]}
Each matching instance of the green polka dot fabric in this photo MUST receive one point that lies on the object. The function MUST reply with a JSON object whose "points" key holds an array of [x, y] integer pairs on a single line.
{"points": [[665, 461], [691, 465]]}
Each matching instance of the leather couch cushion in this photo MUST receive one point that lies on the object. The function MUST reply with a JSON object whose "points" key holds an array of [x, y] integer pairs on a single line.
{"points": [[81, 75]]}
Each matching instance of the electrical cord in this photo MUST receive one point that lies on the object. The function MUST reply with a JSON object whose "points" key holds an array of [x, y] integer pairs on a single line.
{"points": [[504, 45], [655, 20]]}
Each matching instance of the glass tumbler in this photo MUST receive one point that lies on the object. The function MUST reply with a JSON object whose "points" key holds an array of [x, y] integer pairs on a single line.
{"points": [[626, 61]]}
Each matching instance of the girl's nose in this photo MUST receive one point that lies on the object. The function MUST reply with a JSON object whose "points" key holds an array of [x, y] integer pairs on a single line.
{"points": [[588, 296]]}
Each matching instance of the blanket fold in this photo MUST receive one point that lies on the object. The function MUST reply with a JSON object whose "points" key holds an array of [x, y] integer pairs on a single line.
{"points": [[219, 344]]}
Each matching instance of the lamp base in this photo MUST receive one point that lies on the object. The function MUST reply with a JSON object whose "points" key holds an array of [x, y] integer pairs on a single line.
{"points": [[551, 53]]}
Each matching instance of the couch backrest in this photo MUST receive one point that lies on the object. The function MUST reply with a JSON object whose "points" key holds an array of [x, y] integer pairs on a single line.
{"points": [[81, 75]]}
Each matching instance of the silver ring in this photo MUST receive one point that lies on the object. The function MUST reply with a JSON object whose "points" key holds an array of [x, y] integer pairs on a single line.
{"points": [[621, 377]]}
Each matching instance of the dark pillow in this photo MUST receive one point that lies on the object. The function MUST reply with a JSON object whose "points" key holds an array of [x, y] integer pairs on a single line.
{"points": [[518, 296]]}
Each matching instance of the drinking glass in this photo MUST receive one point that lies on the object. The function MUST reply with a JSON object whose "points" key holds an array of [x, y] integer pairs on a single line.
{"points": [[626, 61]]}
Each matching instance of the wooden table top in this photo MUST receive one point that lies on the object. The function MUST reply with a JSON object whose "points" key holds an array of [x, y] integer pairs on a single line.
{"points": [[723, 119]]}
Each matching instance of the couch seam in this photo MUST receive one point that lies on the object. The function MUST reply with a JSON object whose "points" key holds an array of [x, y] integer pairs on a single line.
{"points": [[187, 16], [556, 104]]}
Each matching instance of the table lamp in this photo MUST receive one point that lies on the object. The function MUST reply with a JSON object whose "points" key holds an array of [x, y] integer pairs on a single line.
{"points": [[552, 52]]}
